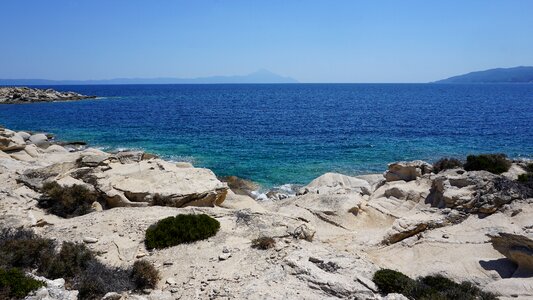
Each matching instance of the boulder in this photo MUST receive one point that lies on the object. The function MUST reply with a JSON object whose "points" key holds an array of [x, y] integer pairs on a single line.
{"points": [[407, 170], [334, 183], [32, 151], [475, 191], [24, 135], [407, 227], [161, 182], [516, 247], [39, 139], [18, 139], [55, 148], [375, 180], [240, 186], [129, 156]]}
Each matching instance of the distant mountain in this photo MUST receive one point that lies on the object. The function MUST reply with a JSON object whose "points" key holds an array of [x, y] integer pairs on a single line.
{"points": [[501, 75], [261, 76]]}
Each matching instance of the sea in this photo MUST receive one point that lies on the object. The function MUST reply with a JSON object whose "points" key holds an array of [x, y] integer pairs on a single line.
{"points": [[276, 134]]}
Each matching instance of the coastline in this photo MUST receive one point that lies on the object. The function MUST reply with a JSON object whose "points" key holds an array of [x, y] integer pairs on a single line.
{"points": [[353, 225], [22, 95]]}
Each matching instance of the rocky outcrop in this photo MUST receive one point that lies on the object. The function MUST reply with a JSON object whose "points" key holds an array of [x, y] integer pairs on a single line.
{"points": [[158, 182], [475, 191], [516, 247], [53, 290], [11, 95], [329, 241], [407, 170], [334, 183]]}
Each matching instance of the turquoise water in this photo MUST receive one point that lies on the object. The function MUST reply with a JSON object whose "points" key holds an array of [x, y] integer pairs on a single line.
{"points": [[276, 134]]}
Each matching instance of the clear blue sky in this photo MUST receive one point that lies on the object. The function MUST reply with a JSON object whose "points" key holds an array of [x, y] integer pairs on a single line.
{"points": [[312, 41]]}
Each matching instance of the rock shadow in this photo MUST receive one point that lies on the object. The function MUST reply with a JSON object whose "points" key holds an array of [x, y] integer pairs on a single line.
{"points": [[503, 266]]}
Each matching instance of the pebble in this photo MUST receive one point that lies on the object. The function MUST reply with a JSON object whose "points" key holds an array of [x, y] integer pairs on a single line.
{"points": [[224, 256], [171, 281], [90, 240]]}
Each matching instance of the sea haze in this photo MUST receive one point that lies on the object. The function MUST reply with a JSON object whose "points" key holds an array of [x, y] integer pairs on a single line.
{"points": [[276, 134]]}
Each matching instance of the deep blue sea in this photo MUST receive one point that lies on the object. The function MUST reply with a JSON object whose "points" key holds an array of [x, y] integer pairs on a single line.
{"points": [[292, 133]]}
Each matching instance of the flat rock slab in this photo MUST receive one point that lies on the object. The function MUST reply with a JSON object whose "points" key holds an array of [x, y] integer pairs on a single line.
{"points": [[142, 181]]}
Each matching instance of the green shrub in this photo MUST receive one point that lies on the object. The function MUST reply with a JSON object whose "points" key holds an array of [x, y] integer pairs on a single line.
{"points": [[529, 167], [98, 279], [524, 177], [15, 284], [172, 231], [390, 281], [144, 274], [446, 163], [66, 202], [432, 287], [494, 163], [72, 259], [74, 262], [24, 249], [263, 243]]}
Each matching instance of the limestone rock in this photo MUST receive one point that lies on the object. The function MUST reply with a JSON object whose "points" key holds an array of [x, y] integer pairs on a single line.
{"points": [[25, 136], [304, 232], [375, 180], [407, 170], [240, 186], [39, 139], [55, 148], [406, 227], [518, 248], [155, 179], [334, 183], [10, 95], [54, 290], [126, 157], [475, 191], [90, 240]]}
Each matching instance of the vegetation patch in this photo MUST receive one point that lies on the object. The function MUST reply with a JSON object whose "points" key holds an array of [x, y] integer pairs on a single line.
{"points": [[74, 262], [180, 229], [145, 275], [66, 202], [446, 164], [494, 163], [428, 287], [14, 284], [263, 243]]}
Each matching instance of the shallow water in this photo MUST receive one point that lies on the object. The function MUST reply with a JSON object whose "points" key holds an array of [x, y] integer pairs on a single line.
{"points": [[276, 134]]}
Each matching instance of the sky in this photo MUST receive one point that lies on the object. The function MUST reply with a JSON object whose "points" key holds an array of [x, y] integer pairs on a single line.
{"points": [[311, 41]]}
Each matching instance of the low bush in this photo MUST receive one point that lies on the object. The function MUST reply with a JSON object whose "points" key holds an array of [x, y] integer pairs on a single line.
{"points": [[71, 260], [494, 163], [180, 229], [74, 262], [144, 275], [524, 177], [428, 287], [24, 249], [14, 284], [446, 164], [263, 243], [66, 202], [390, 281]]}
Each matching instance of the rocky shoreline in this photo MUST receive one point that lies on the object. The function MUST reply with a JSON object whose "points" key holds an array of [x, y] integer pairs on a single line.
{"points": [[17, 95], [330, 238]]}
